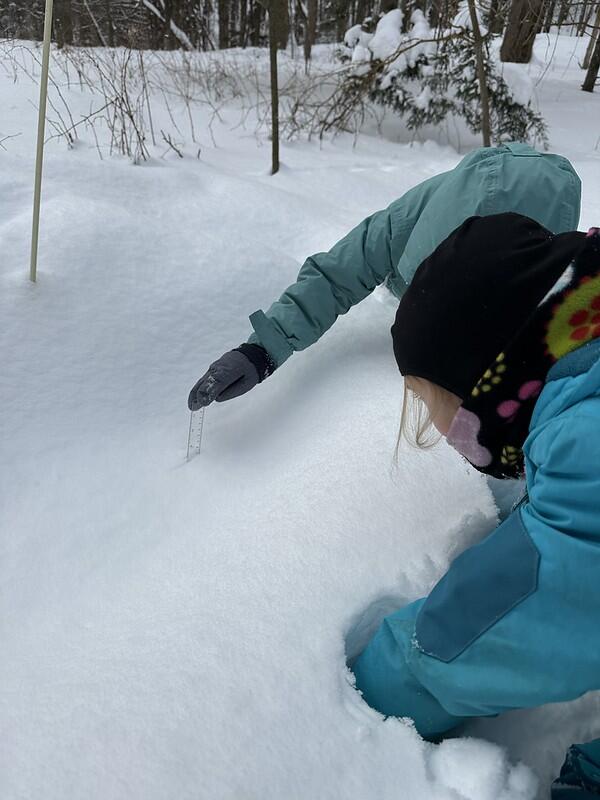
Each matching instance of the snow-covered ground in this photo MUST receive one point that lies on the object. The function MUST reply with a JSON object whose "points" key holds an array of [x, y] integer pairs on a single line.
{"points": [[179, 630]]}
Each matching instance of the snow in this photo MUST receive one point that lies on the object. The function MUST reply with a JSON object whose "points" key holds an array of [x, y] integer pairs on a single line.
{"points": [[420, 30], [353, 35], [423, 99], [489, 777], [180, 630], [388, 36], [356, 40], [361, 56]]}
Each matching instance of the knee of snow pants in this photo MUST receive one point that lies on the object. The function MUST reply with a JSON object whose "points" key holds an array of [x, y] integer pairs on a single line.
{"points": [[387, 683]]}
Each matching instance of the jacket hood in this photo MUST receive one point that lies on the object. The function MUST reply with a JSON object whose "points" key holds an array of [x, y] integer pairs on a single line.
{"points": [[573, 379]]}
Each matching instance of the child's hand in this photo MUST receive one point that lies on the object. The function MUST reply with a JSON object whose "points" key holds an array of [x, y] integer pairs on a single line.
{"points": [[233, 374]]}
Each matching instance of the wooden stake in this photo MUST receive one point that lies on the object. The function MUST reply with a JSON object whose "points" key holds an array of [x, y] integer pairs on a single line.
{"points": [[39, 162]]}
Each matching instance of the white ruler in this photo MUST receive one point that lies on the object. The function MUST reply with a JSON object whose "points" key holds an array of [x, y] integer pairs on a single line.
{"points": [[195, 433]]}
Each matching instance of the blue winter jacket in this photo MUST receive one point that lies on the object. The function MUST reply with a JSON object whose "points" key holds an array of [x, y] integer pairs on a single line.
{"points": [[514, 622]]}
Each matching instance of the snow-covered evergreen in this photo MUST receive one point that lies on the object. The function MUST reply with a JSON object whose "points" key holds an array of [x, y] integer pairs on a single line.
{"points": [[425, 77]]}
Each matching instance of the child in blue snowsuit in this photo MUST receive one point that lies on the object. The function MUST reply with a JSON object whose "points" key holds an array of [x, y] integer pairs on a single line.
{"points": [[499, 336]]}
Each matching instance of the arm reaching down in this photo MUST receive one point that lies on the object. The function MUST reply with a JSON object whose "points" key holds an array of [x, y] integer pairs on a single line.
{"points": [[330, 283]]}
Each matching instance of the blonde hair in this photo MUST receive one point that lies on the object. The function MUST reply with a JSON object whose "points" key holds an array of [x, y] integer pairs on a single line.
{"points": [[416, 419]]}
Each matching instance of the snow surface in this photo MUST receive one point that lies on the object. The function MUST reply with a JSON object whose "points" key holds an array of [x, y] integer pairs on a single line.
{"points": [[180, 630]]}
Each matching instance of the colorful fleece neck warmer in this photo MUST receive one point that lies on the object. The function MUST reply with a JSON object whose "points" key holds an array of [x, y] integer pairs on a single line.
{"points": [[486, 317]]}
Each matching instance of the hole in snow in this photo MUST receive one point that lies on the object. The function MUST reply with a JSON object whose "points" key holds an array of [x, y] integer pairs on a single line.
{"points": [[365, 624]]}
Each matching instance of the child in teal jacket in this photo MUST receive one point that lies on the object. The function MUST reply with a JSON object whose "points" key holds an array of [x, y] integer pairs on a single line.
{"points": [[387, 247]]}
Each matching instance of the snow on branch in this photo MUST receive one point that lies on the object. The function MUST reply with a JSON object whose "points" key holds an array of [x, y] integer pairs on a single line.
{"points": [[151, 7], [183, 37], [175, 29]]}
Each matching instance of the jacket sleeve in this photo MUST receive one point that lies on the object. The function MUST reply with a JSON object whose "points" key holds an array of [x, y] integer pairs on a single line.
{"points": [[329, 284], [564, 488]]}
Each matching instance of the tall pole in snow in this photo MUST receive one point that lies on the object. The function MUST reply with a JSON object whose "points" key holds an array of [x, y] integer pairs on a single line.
{"points": [[273, 8], [39, 161]]}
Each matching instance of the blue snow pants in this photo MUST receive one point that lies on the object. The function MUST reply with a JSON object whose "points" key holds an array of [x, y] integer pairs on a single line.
{"points": [[382, 671], [384, 677]]}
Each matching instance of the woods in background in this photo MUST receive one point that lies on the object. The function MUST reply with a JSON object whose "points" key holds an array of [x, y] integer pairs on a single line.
{"points": [[426, 60], [218, 24]]}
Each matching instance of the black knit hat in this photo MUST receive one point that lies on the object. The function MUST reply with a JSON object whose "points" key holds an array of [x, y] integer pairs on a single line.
{"points": [[474, 294]]}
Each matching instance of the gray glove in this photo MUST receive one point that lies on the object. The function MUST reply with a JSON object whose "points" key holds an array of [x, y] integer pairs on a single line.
{"points": [[233, 374]]}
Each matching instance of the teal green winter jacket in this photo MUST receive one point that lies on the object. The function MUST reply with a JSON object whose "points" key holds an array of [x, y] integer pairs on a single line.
{"points": [[389, 245]]}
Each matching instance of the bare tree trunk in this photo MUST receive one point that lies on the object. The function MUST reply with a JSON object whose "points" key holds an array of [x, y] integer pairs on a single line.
{"points": [[63, 22], [442, 12], [207, 11], [584, 17], [549, 16], [563, 13], [164, 37], [593, 39], [76, 24], [405, 7], [496, 17], [243, 23], [274, 90], [110, 24], [438, 13], [435, 13], [273, 7], [223, 9], [234, 30], [362, 9], [519, 37], [281, 13], [542, 16], [252, 10], [340, 9], [311, 29], [592, 73], [483, 90]]}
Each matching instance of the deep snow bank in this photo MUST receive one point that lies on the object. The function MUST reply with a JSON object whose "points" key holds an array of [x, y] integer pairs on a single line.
{"points": [[177, 630]]}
